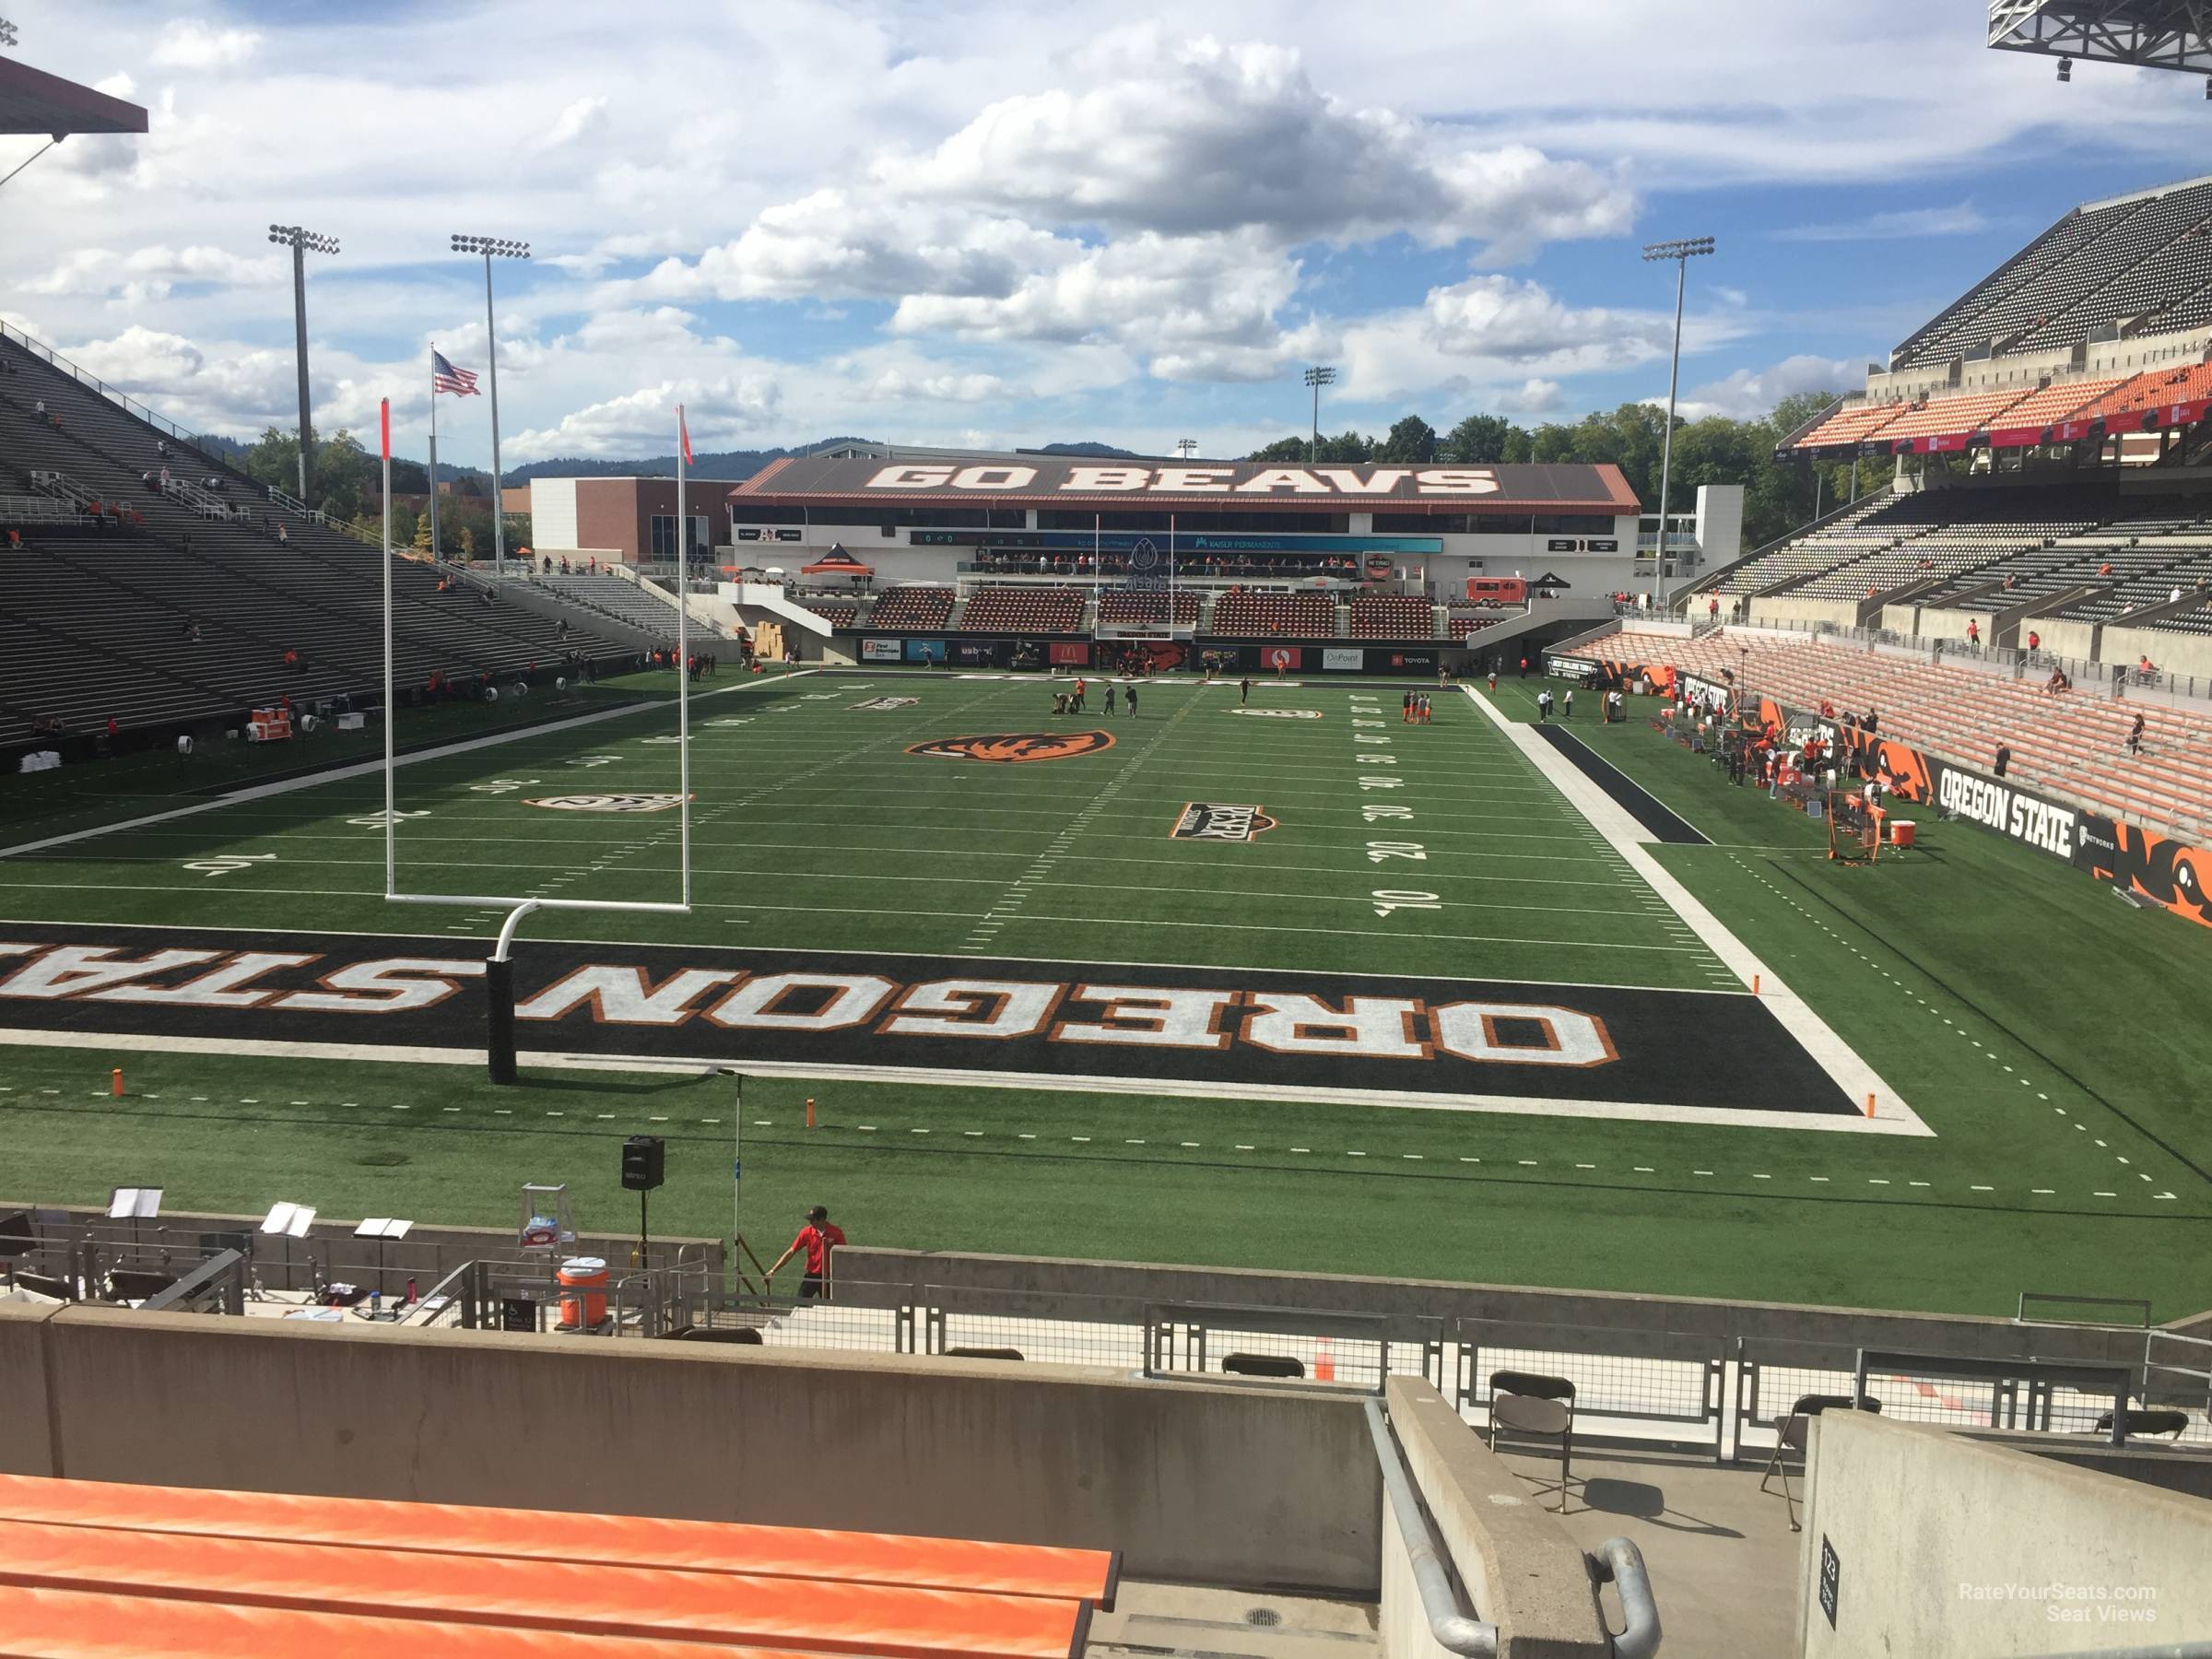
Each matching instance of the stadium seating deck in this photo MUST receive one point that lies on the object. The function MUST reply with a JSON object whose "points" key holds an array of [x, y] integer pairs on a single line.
{"points": [[1258, 616], [620, 598], [1017, 609], [2072, 744], [1125, 606], [99, 625], [1392, 616], [834, 612], [918, 608], [1943, 417]]}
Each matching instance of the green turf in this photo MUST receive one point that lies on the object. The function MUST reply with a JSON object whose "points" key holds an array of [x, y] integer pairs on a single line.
{"points": [[2050, 1035]]}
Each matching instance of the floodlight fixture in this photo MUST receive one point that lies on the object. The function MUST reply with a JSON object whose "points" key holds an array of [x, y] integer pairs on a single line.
{"points": [[2065, 69], [302, 241], [491, 248], [7, 33], [1681, 251], [1318, 376], [1186, 447]]}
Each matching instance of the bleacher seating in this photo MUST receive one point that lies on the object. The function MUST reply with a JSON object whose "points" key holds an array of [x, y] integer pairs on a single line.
{"points": [[1127, 607], [625, 600], [2093, 270], [1017, 609], [1263, 616], [1464, 623], [836, 613], [2152, 390], [99, 627], [1943, 417], [912, 609], [2072, 745], [1392, 616]]}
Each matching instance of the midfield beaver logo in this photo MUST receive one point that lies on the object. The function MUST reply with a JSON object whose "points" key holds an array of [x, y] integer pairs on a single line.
{"points": [[1010, 748]]}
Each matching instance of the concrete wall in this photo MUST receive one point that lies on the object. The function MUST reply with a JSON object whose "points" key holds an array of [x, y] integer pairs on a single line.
{"points": [[1947, 1545], [1782, 611], [1521, 1571], [1245, 1487], [2174, 652]]}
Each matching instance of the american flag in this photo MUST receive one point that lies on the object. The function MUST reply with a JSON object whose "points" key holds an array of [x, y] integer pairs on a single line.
{"points": [[445, 377]]}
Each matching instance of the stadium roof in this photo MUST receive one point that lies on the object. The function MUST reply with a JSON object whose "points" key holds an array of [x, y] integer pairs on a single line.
{"points": [[2149, 34], [33, 101], [1081, 481]]}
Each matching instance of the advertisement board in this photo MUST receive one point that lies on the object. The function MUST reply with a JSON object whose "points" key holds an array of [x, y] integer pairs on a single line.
{"points": [[924, 651], [1070, 654], [1337, 660], [978, 654], [1400, 662], [1284, 657], [879, 651]]}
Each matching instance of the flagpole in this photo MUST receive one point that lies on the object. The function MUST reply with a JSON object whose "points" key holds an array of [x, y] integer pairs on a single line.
{"points": [[683, 652], [434, 555], [391, 847]]}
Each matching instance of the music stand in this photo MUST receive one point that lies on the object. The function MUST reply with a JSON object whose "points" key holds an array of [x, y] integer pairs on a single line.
{"points": [[288, 1221], [135, 1205], [381, 1229]]}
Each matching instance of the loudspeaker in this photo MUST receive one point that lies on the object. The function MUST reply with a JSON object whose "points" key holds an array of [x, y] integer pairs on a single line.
{"points": [[643, 1159]]}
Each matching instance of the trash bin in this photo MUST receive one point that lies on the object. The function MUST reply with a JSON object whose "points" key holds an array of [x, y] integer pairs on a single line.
{"points": [[582, 1293], [1901, 831]]}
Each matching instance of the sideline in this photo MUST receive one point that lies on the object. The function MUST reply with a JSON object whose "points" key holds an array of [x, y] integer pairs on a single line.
{"points": [[1632, 842], [363, 769]]}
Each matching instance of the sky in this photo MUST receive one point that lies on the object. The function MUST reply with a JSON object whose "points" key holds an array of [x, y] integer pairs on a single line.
{"points": [[990, 225]]}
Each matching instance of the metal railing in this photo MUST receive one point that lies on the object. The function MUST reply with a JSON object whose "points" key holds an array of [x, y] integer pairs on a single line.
{"points": [[36, 510], [114, 394]]}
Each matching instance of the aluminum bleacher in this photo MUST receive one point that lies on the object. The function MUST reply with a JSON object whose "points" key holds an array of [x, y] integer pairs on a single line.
{"points": [[624, 600], [99, 626], [2072, 745], [1127, 607]]}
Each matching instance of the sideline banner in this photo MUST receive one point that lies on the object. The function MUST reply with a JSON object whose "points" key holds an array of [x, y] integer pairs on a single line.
{"points": [[879, 651], [1337, 659], [2168, 872]]}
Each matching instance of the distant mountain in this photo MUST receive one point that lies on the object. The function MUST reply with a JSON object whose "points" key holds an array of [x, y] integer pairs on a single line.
{"points": [[1103, 452], [705, 463]]}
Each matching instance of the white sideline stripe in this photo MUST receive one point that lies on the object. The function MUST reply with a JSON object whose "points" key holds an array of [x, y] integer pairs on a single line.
{"points": [[1830, 1051], [362, 768], [1515, 1105], [1087, 967]]}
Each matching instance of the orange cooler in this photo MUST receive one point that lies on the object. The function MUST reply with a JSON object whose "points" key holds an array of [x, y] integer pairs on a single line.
{"points": [[583, 1293]]}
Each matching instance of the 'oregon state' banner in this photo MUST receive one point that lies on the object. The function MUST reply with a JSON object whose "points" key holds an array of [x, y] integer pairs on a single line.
{"points": [[2166, 871]]}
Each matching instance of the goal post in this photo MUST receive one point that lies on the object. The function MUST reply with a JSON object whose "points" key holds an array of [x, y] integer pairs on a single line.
{"points": [[499, 968]]}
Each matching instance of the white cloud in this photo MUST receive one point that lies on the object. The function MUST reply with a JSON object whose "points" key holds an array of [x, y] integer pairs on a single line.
{"points": [[1193, 137], [1537, 398], [644, 422], [1961, 218], [1747, 394], [152, 273], [191, 44], [573, 123]]}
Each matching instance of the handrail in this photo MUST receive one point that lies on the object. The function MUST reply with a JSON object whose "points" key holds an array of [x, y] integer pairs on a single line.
{"points": [[39, 349], [1621, 1562], [1455, 1631]]}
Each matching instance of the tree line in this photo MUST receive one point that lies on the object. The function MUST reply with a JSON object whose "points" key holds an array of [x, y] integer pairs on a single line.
{"points": [[1778, 497], [348, 484]]}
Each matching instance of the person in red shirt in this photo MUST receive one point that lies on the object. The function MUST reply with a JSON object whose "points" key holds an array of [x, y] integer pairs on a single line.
{"points": [[818, 1239]]}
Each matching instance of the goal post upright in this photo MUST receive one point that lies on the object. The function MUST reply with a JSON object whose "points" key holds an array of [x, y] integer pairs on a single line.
{"points": [[499, 968]]}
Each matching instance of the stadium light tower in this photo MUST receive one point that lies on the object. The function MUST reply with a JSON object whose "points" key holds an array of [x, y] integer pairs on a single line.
{"points": [[1320, 375], [492, 247], [1186, 447], [1681, 253], [7, 33], [302, 242]]}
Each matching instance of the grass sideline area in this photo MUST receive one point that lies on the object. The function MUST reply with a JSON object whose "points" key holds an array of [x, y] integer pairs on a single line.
{"points": [[2055, 1077]]}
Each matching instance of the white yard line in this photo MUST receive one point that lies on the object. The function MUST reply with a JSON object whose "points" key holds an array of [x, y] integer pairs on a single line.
{"points": [[1631, 841], [1061, 1082], [363, 769]]}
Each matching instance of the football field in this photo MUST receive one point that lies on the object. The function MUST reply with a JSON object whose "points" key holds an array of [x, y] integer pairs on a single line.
{"points": [[1287, 983]]}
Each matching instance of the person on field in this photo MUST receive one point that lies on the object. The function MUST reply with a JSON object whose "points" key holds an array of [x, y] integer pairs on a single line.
{"points": [[1109, 699], [1060, 703], [1075, 705], [1493, 673], [1543, 705], [1567, 705], [1405, 709], [1133, 702], [1523, 668], [818, 1239], [1243, 691]]}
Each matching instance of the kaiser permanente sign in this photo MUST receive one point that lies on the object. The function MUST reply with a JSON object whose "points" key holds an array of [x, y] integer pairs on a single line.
{"points": [[1568, 487]]}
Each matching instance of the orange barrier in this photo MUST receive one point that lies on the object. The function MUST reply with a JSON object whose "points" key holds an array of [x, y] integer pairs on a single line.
{"points": [[70, 1624], [616, 1540], [597, 1599]]}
